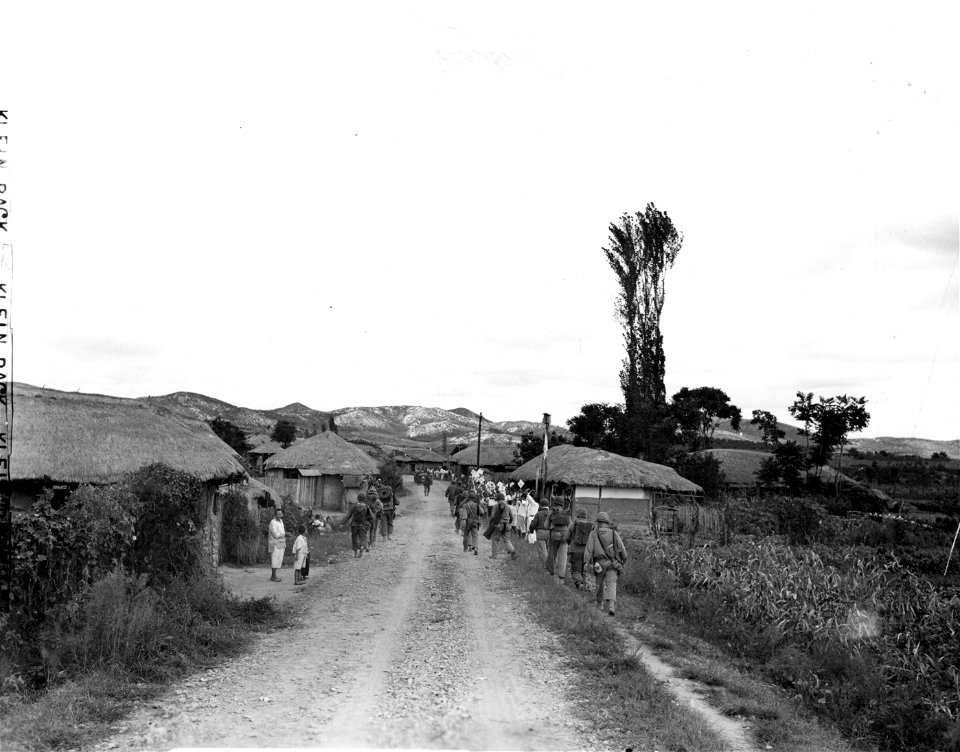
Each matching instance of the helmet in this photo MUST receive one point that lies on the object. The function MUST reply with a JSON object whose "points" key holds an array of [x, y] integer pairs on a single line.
{"points": [[603, 517], [581, 514]]}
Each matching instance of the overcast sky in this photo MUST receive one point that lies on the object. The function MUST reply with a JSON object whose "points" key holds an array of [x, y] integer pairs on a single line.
{"points": [[405, 203]]}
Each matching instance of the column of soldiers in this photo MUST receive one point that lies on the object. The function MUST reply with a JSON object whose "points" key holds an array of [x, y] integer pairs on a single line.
{"points": [[375, 509], [563, 544]]}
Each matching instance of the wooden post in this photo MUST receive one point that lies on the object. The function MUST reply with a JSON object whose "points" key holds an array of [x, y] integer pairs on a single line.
{"points": [[479, 431], [951, 550]]}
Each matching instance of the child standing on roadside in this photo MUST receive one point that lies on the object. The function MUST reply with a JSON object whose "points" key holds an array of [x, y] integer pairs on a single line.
{"points": [[300, 551]]}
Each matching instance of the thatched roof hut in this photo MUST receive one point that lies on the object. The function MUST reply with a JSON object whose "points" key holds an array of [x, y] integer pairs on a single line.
{"points": [[582, 466], [413, 459], [626, 488], [63, 439], [266, 448], [492, 456], [69, 437], [327, 453], [312, 471]]}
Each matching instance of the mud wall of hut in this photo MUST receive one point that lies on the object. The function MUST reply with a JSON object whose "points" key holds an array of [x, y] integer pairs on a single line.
{"points": [[627, 507]]}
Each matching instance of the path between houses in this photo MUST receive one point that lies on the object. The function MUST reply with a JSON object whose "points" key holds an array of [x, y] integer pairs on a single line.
{"points": [[412, 646]]}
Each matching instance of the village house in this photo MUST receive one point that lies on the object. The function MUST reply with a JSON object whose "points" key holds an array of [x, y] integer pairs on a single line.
{"points": [[63, 439], [497, 460], [259, 454], [412, 460], [628, 489], [319, 472]]}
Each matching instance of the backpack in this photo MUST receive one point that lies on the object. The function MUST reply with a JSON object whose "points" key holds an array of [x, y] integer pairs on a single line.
{"points": [[581, 531], [361, 514], [473, 519]]}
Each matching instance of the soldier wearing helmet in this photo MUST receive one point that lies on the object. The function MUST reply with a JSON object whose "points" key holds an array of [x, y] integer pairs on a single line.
{"points": [[577, 535], [605, 551]]}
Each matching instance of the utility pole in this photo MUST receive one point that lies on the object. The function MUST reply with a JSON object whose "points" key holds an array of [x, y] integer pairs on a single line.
{"points": [[543, 459], [479, 429]]}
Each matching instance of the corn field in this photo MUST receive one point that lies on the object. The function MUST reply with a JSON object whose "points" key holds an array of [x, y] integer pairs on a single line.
{"points": [[864, 605]]}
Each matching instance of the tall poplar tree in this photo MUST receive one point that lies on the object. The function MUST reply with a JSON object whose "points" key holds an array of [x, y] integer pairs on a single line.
{"points": [[641, 247]]}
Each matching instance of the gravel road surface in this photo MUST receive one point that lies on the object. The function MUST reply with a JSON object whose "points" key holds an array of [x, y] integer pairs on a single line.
{"points": [[415, 645]]}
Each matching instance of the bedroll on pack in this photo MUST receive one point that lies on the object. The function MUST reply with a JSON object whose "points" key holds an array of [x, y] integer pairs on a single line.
{"points": [[581, 531]]}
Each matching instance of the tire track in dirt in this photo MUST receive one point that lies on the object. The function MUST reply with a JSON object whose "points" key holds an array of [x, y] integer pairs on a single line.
{"points": [[409, 646]]}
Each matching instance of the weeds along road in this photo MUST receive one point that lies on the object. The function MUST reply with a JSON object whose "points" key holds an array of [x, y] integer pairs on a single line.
{"points": [[414, 645]]}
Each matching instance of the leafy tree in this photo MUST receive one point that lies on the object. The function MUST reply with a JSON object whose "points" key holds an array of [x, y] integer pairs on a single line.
{"points": [[531, 445], [767, 423], [598, 426], [641, 247], [230, 434], [701, 468], [284, 432], [785, 465], [804, 409], [835, 418], [459, 447], [699, 411]]}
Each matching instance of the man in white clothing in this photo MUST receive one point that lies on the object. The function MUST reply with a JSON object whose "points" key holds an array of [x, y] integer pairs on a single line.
{"points": [[276, 543]]}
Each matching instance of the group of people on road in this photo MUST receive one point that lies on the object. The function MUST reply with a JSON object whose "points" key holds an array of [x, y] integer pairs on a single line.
{"points": [[504, 513], [277, 546], [375, 509], [562, 541]]}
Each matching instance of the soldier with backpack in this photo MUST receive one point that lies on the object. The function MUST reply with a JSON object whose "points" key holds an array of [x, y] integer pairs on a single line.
{"points": [[376, 509], [470, 522], [359, 521], [577, 535], [606, 552], [389, 500], [559, 522], [498, 529]]}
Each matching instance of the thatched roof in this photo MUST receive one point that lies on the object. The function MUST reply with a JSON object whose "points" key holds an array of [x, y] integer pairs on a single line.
{"points": [[422, 454], [257, 439], [70, 437], [739, 468], [594, 467], [491, 455], [254, 490], [268, 447], [327, 453]]}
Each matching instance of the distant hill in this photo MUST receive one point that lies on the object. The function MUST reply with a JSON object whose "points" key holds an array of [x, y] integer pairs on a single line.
{"points": [[201, 407], [401, 424], [395, 424], [920, 447]]}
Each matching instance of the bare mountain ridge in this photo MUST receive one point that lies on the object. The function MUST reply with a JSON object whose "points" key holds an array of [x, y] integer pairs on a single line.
{"points": [[392, 422]]}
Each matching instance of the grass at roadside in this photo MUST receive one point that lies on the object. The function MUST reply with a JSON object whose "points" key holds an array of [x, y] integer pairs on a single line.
{"points": [[131, 645], [730, 685], [629, 706]]}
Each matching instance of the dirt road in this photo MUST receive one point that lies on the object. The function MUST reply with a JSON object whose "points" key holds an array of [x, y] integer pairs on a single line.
{"points": [[415, 645]]}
